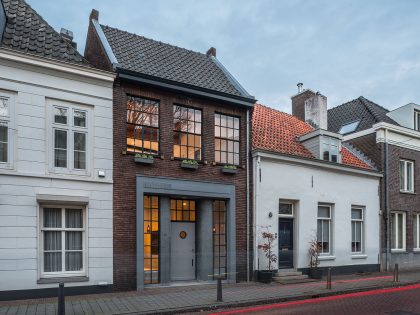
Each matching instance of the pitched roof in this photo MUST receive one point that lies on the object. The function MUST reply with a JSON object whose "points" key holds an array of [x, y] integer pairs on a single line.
{"points": [[164, 61], [26, 31], [278, 132], [359, 109]]}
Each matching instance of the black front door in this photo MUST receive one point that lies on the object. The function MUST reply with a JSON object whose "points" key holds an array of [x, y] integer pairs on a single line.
{"points": [[285, 243]]}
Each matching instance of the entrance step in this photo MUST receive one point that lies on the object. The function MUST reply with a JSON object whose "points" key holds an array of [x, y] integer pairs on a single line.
{"points": [[291, 277]]}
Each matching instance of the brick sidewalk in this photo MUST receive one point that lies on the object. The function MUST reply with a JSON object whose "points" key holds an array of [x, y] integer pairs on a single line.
{"points": [[203, 297]]}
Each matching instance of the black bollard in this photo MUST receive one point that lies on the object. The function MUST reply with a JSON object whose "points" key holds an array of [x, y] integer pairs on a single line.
{"points": [[61, 309], [219, 289], [329, 279], [396, 275]]}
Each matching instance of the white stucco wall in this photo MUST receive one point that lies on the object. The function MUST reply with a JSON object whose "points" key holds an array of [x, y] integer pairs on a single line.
{"points": [[29, 172], [293, 181], [404, 115]]}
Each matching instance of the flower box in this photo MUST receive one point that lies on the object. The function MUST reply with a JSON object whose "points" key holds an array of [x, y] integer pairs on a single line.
{"points": [[189, 166], [227, 170], [143, 160]]}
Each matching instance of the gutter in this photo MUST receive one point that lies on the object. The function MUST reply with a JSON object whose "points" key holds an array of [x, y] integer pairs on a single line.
{"points": [[388, 216], [183, 88]]}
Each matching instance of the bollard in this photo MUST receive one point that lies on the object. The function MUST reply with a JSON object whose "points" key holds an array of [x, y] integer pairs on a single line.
{"points": [[329, 279], [396, 276], [219, 289], [61, 309]]}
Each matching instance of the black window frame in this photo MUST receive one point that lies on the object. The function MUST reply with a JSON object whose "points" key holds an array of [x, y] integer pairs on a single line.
{"points": [[218, 256], [143, 126], [153, 246], [220, 138], [182, 209], [187, 133]]}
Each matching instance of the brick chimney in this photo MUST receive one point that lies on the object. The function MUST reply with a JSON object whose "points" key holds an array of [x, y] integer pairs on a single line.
{"points": [[310, 107], [211, 52], [94, 15]]}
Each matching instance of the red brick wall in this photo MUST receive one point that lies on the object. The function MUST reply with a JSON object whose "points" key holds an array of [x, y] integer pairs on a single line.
{"points": [[125, 171]]}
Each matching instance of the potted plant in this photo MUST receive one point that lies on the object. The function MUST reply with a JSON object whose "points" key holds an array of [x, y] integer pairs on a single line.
{"points": [[144, 158], [266, 276], [314, 250], [230, 169], [190, 164]]}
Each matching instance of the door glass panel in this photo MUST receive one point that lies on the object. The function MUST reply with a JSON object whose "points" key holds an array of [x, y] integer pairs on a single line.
{"points": [[151, 241], [219, 238]]}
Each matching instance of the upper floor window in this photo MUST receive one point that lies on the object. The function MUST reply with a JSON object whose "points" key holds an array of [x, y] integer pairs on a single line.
{"points": [[417, 120], [187, 133], [4, 129], [226, 131], [329, 149], [142, 125], [406, 176], [70, 137]]}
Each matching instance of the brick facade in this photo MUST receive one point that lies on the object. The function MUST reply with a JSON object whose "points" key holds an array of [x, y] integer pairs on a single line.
{"points": [[125, 171]]}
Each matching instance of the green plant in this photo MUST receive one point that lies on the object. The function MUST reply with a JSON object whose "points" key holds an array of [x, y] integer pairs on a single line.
{"points": [[191, 162], [230, 167], [144, 156]]}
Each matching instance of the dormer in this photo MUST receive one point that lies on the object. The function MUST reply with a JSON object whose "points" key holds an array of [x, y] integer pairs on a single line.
{"points": [[323, 144], [407, 116]]}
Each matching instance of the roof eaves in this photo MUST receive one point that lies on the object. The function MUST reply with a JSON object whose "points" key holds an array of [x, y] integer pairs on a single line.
{"points": [[232, 79], [105, 44]]}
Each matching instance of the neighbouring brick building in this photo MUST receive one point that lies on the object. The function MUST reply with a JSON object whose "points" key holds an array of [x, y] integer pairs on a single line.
{"points": [[391, 139], [181, 136]]}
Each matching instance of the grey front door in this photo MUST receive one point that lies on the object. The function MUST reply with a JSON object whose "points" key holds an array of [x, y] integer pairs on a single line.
{"points": [[182, 251], [285, 243]]}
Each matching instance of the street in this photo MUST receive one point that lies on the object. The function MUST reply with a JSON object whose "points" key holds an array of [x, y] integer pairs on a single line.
{"points": [[394, 301]]}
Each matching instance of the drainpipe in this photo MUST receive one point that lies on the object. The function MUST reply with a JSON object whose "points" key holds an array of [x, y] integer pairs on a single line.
{"points": [[388, 215], [247, 195]]}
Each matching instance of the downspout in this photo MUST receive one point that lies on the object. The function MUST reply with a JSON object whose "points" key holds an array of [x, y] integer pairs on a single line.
{"points": [[247, 196], [388, 215]]}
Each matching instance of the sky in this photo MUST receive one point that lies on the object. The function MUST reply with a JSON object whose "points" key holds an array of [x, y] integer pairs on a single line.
{"points": [[344, 49]]}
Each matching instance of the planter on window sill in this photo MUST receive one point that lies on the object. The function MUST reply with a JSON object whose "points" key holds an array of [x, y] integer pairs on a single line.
{"points": [[189, 164], [143, 160], [230, 170]]}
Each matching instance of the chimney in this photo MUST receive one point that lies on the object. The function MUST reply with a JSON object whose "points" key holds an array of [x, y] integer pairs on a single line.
{"points": [[300, 86], [68, 37], [94, 15], [310, 107], [211, 52]]}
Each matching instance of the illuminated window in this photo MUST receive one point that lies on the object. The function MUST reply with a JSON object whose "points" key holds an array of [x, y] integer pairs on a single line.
{"points": [[151, 239], [187, 133], [219, 238], [226, 131], [142, 125], [183, 210]]}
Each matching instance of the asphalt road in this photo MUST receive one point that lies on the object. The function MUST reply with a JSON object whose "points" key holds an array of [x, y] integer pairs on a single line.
{"points": [[396, 301]]}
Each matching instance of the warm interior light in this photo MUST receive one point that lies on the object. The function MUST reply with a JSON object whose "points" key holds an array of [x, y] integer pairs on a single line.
{"points": [[148, 228], [214, 229]]}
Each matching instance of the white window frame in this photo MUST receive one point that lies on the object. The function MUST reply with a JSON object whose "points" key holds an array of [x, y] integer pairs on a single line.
{"points": [[70, 129], [362, 234], [394, 228], [416, 120], [329, 219], [329, 142], [9, 121], [84, 230], [405, 177], [416, 232], [281, 201]]}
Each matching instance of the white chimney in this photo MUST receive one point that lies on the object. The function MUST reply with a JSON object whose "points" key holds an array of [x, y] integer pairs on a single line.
{"points": [[316, 111]]}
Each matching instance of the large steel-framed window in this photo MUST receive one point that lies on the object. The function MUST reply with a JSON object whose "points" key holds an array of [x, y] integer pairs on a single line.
{"points": [[219, 238], [226, 142], [187, 133], [142, 125], [183, 210], [151, 239]]}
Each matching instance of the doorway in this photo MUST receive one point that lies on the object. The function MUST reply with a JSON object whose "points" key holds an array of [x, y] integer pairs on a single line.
{"points": [[285, 243]]}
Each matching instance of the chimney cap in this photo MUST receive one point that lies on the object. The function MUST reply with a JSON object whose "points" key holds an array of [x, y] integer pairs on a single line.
{"points": [[94, 15], [300, 87], [211, 52]]}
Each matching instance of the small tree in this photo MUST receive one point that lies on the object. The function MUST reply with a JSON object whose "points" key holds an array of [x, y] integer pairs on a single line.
{"points": [[314, 250], [267, 246]]}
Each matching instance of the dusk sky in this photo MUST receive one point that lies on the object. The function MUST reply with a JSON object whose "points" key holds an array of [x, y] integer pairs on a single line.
{"points": [[344, 49]]}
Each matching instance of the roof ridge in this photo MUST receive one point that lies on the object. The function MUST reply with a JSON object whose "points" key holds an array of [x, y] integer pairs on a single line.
{"points": [[368, 105], [153, 40], [333, 108]]}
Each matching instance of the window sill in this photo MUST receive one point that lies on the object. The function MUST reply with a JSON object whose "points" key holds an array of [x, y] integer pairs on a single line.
{"points": [[407, 192], [329, 257], [359, 256], [62, 279], [398, 251], [416, 250]]}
